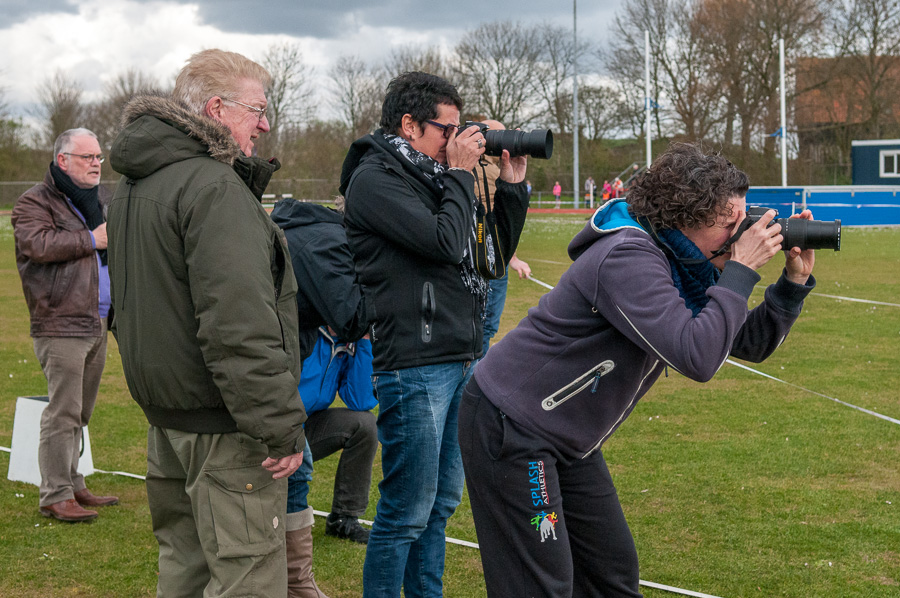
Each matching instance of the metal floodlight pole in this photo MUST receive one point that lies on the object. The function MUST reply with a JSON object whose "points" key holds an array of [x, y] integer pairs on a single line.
{"points": [[783, 117], [575, 177], [647, 93]]}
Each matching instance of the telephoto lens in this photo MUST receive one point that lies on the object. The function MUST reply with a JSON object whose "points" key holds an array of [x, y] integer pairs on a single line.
{"points": [[537, 143], [810, 234]]}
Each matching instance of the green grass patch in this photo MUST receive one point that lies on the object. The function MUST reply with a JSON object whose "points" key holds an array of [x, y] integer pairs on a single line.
{"points": [[740, 487]]}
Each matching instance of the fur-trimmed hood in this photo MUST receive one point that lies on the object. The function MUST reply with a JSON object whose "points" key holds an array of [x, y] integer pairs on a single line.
{"points": [[157, 131]]}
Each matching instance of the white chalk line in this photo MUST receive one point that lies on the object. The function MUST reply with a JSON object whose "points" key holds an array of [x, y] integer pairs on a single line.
{"points": [[857, 300], [449, 540], [818, 394]]}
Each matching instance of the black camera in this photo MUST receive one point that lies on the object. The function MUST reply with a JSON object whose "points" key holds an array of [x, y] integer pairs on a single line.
{"points": [[537, 143], [799, 232]]}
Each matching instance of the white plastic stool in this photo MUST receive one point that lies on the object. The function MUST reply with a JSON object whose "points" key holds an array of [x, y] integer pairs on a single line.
{"points": [[23, 458]]}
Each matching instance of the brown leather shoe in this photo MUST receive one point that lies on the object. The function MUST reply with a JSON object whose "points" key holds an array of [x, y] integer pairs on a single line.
{"points": [[86, 499], [68, 510]]}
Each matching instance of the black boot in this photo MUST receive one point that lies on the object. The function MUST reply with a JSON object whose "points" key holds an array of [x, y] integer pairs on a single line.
{"points": [[346, 527]]}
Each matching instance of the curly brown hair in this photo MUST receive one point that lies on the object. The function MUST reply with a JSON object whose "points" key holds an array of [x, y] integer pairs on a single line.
{"points": [[686, 187]]}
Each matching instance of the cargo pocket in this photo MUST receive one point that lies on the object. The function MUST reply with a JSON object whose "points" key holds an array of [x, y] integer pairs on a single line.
{"points": [[246, 511]]}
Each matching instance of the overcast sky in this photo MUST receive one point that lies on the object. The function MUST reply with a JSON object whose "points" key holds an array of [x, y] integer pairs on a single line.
{"points": [[93, 40]]}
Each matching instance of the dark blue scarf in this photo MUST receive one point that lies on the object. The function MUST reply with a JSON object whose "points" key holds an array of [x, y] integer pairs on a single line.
{"points": [[692, 272]]}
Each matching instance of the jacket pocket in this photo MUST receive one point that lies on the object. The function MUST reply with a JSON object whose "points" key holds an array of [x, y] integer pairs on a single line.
{"points": [[428, 309], [246, 506], [62, 280], [590, 378]]}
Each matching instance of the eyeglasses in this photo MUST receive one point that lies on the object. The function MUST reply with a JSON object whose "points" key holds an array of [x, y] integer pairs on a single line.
{"points": [[261, 112], [448, 129], [88, 157]]}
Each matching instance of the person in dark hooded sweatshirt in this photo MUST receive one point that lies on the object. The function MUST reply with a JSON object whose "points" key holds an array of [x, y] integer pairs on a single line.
{"points": [[328, 294], [655, 283], [410, 216]]}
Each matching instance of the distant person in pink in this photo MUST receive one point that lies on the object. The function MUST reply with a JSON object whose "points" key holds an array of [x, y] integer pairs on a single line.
{"points": [[557, 191]]}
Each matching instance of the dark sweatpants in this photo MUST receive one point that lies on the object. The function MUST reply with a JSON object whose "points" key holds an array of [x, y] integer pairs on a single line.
{"points": [[548, 525]]}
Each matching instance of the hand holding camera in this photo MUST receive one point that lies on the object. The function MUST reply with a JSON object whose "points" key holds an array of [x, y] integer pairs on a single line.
{"points": [[799, 262], [465, 149], [757, 241]]}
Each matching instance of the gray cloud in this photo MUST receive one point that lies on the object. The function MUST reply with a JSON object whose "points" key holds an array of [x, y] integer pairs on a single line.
{"points": [[16, 11], [330, 19], [333, 19]]}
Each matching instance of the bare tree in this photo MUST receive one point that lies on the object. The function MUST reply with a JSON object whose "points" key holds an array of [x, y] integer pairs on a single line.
{"points": [[60, 106], [871, 29], [416, 58], [289, 97], [600, 109], [358, 90], [104, 117], [624, 58], [494, 65], [553, 74]]}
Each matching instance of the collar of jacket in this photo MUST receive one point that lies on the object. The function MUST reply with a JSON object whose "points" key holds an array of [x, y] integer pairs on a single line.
{"points": [[376, 142]]}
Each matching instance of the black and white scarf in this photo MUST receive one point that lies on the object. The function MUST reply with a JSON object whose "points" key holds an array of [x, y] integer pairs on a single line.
{"points": [[473, 281]]}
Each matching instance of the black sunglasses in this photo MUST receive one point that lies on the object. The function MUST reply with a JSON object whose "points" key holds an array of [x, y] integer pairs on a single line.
{"points": [[448, 129]]}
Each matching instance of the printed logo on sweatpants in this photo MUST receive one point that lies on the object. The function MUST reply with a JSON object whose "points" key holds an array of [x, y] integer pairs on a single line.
{"points": [[543, 522], [539, 496]]}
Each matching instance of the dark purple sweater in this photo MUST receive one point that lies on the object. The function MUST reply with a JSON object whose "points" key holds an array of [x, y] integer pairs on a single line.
{"points": [[576, 365]]}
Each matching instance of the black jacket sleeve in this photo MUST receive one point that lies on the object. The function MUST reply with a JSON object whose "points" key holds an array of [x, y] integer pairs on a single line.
{"points": [[510, 208]]}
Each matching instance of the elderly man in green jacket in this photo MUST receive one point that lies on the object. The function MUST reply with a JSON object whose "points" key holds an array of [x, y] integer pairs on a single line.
{"points": [[205, 299]]}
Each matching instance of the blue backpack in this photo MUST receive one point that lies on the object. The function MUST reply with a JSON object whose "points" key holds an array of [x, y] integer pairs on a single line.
{"points": [[334, 368]]}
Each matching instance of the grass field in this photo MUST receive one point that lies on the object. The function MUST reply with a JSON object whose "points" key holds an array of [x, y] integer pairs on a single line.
{"points": [[740, 487]]}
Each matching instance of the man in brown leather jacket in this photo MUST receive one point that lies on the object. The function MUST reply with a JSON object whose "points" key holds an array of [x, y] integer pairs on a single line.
{"points": [[60, 233]]}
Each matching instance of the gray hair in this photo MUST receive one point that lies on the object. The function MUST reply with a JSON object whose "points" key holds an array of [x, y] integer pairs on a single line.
{"points": [[215, 73], [64, 142]]}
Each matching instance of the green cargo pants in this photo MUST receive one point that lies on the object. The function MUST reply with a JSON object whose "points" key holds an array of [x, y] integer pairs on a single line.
{"points": [[217, 514]]}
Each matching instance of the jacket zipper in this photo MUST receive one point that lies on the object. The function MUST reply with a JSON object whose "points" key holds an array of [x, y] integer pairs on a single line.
{"points": [[621, 416], [591, 377]]}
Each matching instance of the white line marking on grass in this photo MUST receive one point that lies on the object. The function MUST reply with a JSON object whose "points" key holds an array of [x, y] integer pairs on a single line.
{"points": [[122, 473], [864, 410], [534, 259], [543, 284], [659, 586], [449, 540], [869, 301], [856, 300]]}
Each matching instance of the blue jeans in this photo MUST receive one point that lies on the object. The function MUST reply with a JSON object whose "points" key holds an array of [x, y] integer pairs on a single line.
{"points": [[496, 299], [298, 483], [423, 478]]}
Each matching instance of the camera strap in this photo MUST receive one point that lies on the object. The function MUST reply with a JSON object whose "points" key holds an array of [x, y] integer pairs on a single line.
{"points": [[488, 256], [745, 224]]}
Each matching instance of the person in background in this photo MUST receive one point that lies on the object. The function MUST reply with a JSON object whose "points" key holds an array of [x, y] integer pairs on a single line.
{"points": [[59, 227], [329, 294], [618, 188], [607, 191], [557, 192], [497, 293], [589, 187], [206, 319], [655, 284], [410, 217], [345, 369]]}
